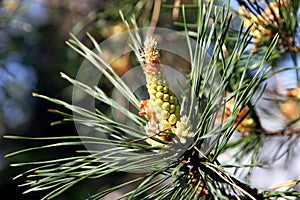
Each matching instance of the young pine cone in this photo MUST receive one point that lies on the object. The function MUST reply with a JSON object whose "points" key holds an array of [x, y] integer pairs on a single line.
{"points": [[162, 110]]}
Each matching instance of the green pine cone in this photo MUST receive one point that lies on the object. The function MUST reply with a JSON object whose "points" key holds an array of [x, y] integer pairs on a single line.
{"points": [[162, 109], [162, 97]]}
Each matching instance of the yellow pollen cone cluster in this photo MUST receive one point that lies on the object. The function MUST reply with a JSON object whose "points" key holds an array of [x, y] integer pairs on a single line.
{"points": [[261, 24], [162, 109]]}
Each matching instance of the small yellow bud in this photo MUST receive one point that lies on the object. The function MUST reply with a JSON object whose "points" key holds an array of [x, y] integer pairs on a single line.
{"points": [[153, 79], [247, 22], [165, 124], [164, 115], [165, 89], [159, 82], [152, 91], [261, 28], [166, 97], [248, 122], [166, 106], [256, 33], [159, 88], [159, 95], [172, 108], [253, 18], [172, 119], [152, 86], [158, 102], [172, 99], [243, 11], [152, 97]]}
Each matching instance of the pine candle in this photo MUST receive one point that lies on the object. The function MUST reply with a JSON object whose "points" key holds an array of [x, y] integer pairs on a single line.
{"points": [[162, 110]]}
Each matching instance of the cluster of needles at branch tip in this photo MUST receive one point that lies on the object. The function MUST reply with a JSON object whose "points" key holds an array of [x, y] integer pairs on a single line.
{"points": [[162, 109]]}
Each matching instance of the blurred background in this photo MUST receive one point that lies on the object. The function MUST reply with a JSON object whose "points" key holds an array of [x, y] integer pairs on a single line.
{"points": [[33, 52]]}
